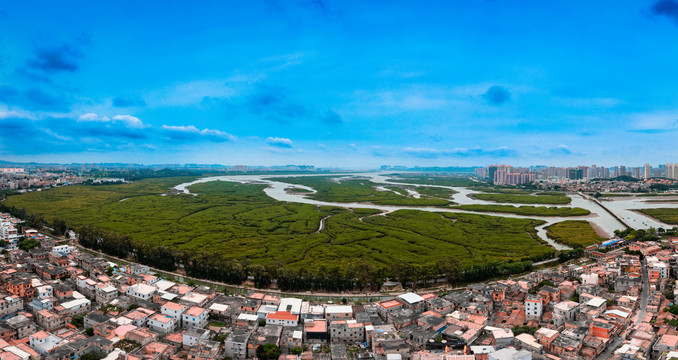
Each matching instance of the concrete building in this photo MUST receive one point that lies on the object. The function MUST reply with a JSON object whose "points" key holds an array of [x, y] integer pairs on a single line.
{"points": [[336, 312], [141, 291], [564, 311], [283, 318], [533, 307], [510, 354], [163, 324], [195, 317]]}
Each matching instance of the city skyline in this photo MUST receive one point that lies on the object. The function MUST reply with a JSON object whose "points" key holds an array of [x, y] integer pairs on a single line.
{"points": [[274, 83]]}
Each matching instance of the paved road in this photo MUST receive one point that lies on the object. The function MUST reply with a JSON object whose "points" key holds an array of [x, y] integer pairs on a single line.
{"points": [[640, 315], [644, 295]]}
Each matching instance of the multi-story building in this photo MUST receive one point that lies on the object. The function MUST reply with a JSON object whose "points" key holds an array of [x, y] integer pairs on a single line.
{"points": [[163, 324], [347, 331], [195, 317], [564, 311], [533, 307], [284, 318]]}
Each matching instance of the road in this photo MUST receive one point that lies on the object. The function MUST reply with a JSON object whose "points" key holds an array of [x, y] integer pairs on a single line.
{"points": [[640, 315]]}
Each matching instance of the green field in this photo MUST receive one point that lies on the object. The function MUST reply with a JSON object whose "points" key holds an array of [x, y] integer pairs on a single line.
{"points": [[360, 191], [615, 195], [665, 215], [574, 233], [239, 223], [526, 210], [524, 199], [434, 192]]}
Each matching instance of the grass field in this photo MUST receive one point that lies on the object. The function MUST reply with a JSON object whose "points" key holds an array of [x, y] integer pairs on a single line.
{"points": [[435, 192], [574, 233], [526, 210], [238, 221], [615, 195], [524, 199], [360, 190], [665, 215]]}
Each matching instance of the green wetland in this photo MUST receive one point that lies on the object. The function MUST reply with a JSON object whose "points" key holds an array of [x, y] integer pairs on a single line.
{"points": [[239, 223]]}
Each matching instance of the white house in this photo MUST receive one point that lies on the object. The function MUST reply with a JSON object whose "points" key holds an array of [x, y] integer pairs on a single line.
{"points": [[77, 306], [63, 249], [42, 342], [533, 307], [195, 317], [163, 324], [333, 312], [291, 305], [141, 291], [510, 354], [174, 310], [284, 318], [191, 337]]}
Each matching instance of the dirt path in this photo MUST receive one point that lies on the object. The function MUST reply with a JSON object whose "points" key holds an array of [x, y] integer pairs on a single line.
{"points": [[321, 226], [384, 213]]}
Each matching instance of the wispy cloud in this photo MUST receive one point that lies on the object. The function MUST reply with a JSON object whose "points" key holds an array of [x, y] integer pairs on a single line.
{"points": [[279, 142], [191, 93], [128, 101], [430, 153], [654, 123], [128, 120], [191, 132], [560, 150]]}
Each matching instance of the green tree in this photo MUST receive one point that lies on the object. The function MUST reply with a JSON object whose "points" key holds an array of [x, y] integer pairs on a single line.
{"points": [[268, 352], [78, 321], [94, 356], [449, 268]]}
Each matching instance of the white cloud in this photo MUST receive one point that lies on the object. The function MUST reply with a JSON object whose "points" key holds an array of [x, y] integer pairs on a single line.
{"points": [[130, 120], [279, 142], [5, 114], [92, 117], [210, 133]]}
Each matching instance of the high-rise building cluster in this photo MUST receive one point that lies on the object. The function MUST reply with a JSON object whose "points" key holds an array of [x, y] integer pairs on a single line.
{"points": [[509, 175]]}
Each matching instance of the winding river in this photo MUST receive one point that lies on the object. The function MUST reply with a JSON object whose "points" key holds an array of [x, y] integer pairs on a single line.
{"points": [[604, 221]]}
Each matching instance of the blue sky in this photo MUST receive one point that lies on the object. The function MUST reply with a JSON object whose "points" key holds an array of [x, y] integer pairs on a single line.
{"points": [[340, 83]]}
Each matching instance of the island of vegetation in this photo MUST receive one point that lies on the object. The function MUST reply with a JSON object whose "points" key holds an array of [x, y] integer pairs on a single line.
{"points": [[574, 233], [665, 215], [526, 210], [524, 199]]}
